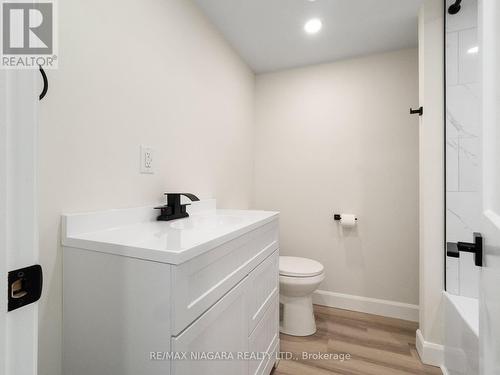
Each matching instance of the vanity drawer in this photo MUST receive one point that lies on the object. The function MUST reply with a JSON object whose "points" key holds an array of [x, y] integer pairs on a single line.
{"points": [[222, 329], [263, 289], [265, 339], [202, 281]]}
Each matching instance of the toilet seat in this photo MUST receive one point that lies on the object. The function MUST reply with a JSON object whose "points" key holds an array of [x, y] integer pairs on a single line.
{"points": [[299, 267]]}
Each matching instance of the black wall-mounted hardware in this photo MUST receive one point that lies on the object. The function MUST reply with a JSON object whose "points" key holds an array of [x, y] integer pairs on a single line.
{"points": [[338, 217], [24, 287], [45, 84], [419, 111], [454, 249], [174, 209], [455, 7]]}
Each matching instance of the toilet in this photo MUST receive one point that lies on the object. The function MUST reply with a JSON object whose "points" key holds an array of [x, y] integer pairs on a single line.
{"points": [[299, 278]]}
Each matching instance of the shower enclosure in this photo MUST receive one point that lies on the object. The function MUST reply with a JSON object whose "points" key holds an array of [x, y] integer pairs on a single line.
{"points": [[472, 126], [463, 146]]}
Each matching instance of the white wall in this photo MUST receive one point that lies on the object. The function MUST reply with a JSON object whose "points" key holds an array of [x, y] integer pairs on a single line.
{"points": [[339, 138], [431, 68], [151, 72]]}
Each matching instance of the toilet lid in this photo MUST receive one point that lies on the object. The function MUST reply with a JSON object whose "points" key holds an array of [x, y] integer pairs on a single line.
{"points": [[299, 267]]}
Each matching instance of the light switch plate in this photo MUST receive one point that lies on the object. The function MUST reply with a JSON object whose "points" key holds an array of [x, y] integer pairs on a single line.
{"points": [[147, 160]]}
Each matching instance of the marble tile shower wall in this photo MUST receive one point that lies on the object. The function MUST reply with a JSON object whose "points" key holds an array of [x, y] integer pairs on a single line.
{"points": [[463, 143]]}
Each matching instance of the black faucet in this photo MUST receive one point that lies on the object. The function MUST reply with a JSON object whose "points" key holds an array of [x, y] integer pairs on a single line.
{"points": [[174, 209]]}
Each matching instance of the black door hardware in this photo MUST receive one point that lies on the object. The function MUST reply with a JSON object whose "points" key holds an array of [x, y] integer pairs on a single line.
{"points": [[45, 84], [174, 209], [454, 249], [455, 7], [25, 286], [338, 217], [419, 111]]}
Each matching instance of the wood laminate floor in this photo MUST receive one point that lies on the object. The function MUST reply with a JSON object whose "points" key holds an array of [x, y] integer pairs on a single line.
{"points": [[377, 345]]}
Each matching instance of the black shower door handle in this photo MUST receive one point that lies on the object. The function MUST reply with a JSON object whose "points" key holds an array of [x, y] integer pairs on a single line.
{"points": [[453, 249]]}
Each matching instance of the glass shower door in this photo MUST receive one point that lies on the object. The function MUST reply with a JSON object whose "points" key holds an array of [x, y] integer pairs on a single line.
{"points": [[463, 147], [464, 187]]}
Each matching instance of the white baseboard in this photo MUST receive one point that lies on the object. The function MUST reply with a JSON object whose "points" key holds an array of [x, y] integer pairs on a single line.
{"points": [[375, 306], [430, 353]]}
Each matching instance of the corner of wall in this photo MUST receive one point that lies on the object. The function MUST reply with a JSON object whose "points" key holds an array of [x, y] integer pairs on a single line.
{"points": [[430, 336]]}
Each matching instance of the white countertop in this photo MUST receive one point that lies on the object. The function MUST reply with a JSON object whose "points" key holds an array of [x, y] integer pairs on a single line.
{"points": [[136, 233]]}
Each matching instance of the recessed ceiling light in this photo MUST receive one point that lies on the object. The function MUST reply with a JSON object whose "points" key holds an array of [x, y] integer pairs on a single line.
{"points": [[473, 50], [313, 26]]}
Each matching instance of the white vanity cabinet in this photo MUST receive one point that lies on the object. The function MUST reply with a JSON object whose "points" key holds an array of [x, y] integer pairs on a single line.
{"points": [[134, 303], [243, 323]]}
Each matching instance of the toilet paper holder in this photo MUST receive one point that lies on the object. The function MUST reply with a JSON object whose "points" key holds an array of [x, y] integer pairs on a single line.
{"points": [[338, 217]]}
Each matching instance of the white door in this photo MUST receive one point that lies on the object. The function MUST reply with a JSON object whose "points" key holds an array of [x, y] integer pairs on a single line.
{"points": [[19, 92], [489, 287]]}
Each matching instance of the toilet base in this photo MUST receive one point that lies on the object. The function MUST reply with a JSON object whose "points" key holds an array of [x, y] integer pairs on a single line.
{"points": [[297, 317]]}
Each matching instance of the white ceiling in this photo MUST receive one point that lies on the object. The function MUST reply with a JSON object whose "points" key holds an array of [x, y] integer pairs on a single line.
{"points": [[269, 35]]}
